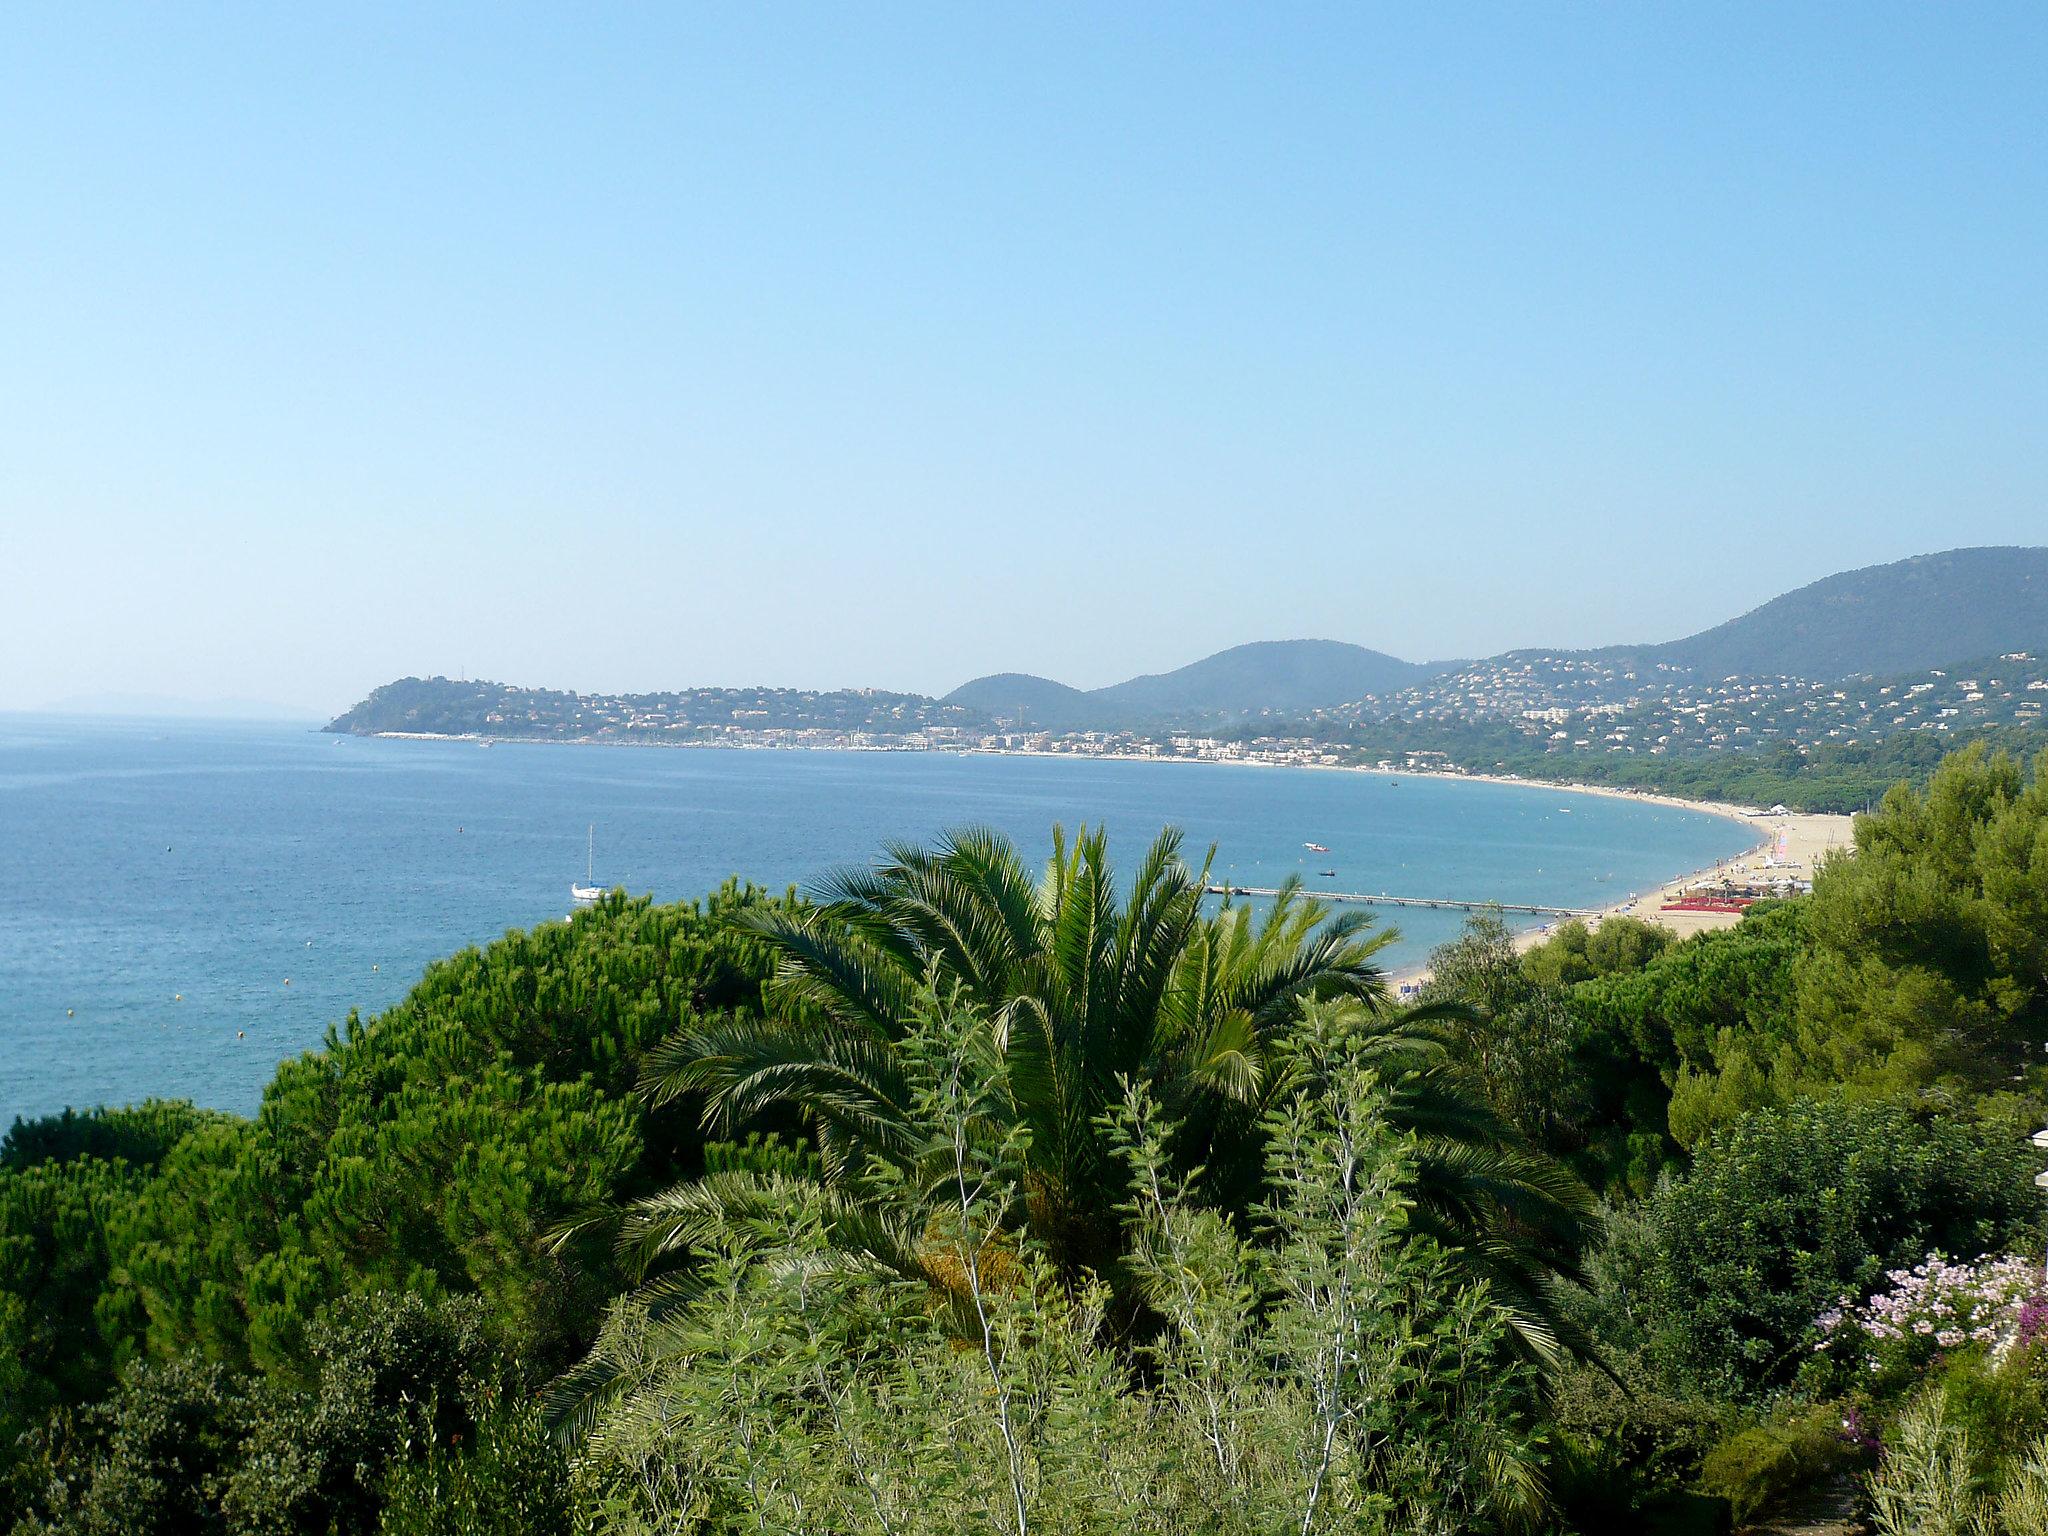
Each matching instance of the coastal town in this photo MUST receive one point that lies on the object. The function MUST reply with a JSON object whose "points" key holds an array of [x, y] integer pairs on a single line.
{"points": [[1551, 703]]}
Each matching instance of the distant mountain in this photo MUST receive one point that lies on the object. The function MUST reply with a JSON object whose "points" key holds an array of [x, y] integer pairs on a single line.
{"points": [[1282, 675], [1265, 677], [1929, 611], [1896, 628], [1018, 695]]}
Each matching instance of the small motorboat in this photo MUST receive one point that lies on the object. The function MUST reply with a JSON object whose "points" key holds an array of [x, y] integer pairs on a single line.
{"points": [[1315, 847]]}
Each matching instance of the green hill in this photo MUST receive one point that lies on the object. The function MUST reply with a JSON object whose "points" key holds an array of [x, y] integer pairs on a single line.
{"points": [[1275, 675], [1929, 611], [1018, 696], [1264, 677]]}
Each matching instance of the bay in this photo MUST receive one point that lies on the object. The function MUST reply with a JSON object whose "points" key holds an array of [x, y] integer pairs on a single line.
{"points": [[183, 904]]}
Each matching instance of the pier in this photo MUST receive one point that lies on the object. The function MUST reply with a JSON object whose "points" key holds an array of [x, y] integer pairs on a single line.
{"points": [[1360, 898]]}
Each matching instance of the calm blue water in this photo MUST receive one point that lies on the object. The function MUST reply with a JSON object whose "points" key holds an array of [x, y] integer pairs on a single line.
{"points": [[142, 860]]}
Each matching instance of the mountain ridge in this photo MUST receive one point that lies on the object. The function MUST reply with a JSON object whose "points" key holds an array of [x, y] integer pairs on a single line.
{"points": [[1924, 611], [1259, 677]]}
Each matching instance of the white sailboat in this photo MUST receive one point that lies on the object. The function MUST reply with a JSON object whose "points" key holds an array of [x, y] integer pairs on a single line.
{"points": [[590, 890]]}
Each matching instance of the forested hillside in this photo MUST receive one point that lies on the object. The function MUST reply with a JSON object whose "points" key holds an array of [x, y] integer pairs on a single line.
{"points": [[1928, 611], [1263, 679], [967, 1196]]}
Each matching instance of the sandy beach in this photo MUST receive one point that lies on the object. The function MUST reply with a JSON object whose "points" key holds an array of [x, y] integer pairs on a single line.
{"points": [[1790, 845]]}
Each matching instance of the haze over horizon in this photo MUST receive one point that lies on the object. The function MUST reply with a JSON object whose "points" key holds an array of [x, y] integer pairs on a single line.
{"points": [[897, 348]]}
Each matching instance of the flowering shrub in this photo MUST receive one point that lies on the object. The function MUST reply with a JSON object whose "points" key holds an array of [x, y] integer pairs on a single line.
{"points": [[1938, 1305]]}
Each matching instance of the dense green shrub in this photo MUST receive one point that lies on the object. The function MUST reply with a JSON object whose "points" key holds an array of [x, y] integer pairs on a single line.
{"points": [[1999, 1402], [513, 1480], [1756, 1468], [1791, 1209], [436, 1149], [399, 1386], [1658, 1040], [139, 1135], [393, 1376], [155, 1457], [65, 1331], [1623, 1445], [1324, 1372], [1577, 953], [1928, 967], [1518, 1042]]}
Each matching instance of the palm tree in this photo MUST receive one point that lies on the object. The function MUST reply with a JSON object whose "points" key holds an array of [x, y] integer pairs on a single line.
{"points": [[1083, 991]]}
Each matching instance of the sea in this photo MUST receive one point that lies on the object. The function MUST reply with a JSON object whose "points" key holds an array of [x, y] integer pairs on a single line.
{"points": [[183, 904]]}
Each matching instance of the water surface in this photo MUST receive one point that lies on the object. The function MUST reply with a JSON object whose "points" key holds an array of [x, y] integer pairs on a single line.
{"points": [[160, 881]]}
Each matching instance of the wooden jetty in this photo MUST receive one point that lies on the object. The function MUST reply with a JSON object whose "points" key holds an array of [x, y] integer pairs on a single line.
{"points": [[1360, 898]]}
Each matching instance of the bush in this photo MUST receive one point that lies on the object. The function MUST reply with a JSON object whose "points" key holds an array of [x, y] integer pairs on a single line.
{"points": [[1625, 1448], [396, 1376], [1999, 1403], [154, 1458], [194, 1447], [140, 1135], [513, 1482], [1792, 1209], [1757, 1468]]}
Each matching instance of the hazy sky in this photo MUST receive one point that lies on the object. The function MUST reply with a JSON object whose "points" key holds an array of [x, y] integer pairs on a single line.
{"points": [[606, 347]]}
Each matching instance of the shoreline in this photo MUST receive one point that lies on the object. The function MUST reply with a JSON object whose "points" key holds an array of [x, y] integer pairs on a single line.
{"points": [[1805, 837]]}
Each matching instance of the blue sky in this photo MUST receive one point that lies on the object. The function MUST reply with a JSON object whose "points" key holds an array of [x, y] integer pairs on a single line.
{"points": [[633, 347]]}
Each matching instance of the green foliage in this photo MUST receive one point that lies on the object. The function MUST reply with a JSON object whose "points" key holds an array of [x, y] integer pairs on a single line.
{"points": [[1516, 1037], [1926, 1485], [1625, 1448], [139, 1136], [398, 1387], [65, 1330], [1792, 1208], [1676, 1044], [513, 1481], [2020, 1507], [155, 1457], [1576, 953], [1089, 994], [1560, 1070], [1928, 970], [1086, 990], [1998, 1401], [439, 1146], [1327, 1376], [392, 1376], [436, 1150], [1757, 1467], [1967, 1455]]}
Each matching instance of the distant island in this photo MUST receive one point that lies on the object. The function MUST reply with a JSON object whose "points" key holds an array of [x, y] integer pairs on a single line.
{"points": [[1819, 700]]}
